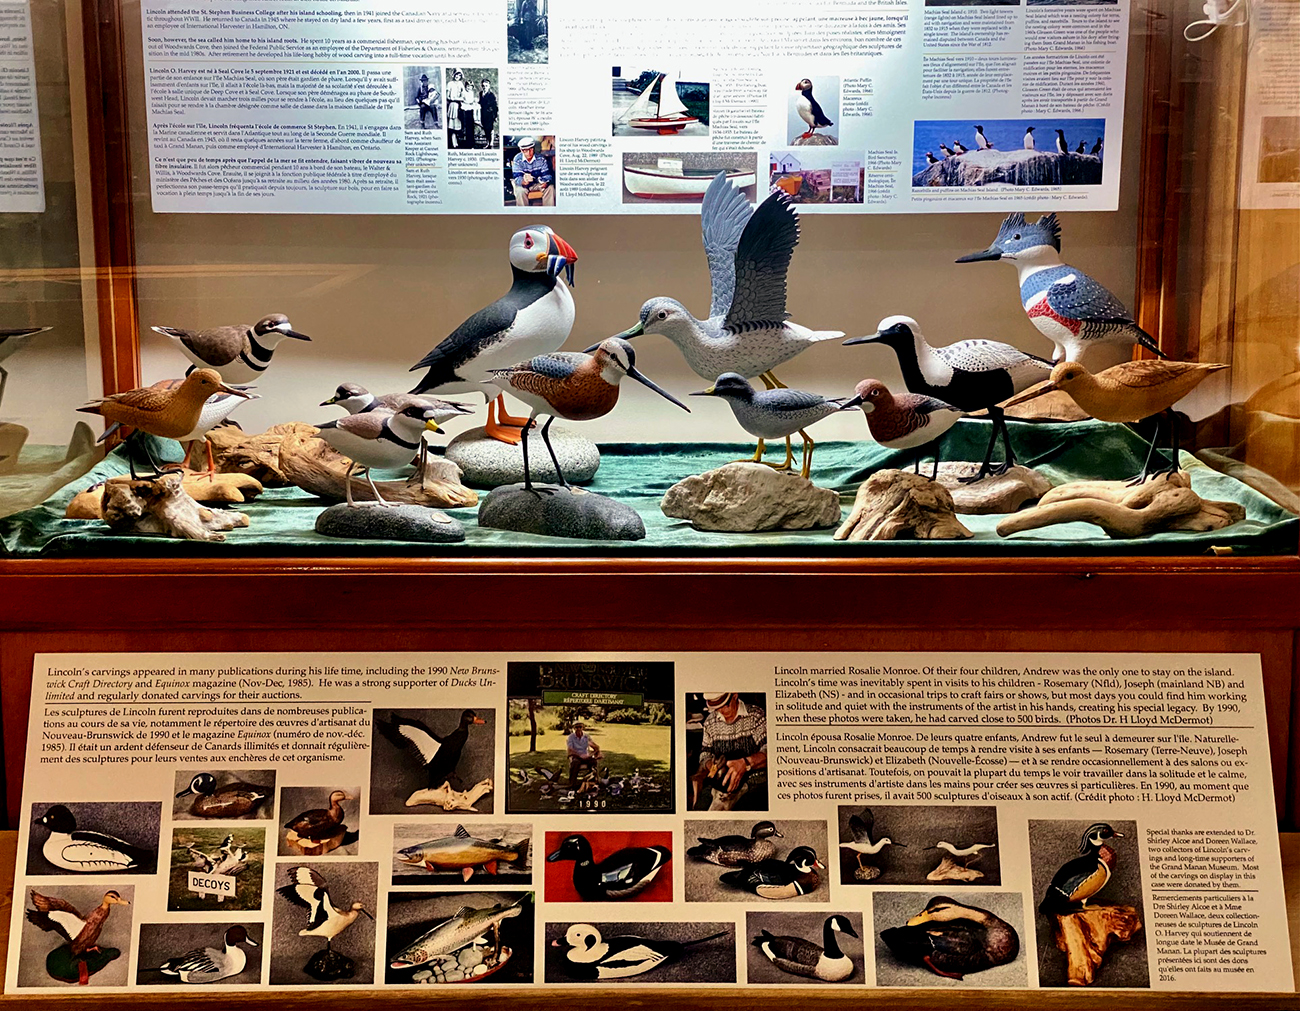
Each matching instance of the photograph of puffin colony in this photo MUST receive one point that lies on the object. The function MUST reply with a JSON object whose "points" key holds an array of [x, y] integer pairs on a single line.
{"points": [[1004, 434]]}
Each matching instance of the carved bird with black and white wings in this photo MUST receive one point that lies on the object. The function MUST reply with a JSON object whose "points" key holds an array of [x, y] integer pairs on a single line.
{"points": [[748, 330]]}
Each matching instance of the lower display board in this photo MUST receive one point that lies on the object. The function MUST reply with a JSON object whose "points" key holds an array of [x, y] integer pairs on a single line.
{"points": [[261, 820]]}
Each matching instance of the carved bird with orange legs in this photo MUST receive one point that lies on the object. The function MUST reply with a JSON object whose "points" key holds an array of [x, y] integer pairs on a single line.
{"points": [[574, 386]]}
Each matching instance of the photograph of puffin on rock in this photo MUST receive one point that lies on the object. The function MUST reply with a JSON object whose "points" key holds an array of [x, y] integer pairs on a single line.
{"points": [[813, 112], [433, 761], [1002, 153]]}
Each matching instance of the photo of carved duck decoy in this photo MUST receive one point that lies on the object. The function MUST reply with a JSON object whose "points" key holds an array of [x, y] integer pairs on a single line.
{"points": [[861, 844], [168, 413], [748, 330], [952, 940], [620, 875], [224, 800], [240, 353], [775, 414], [1130, 392], [533, 318], [970, 375], [1080, 879], [378, 439], [87, 852], [905, 421], [737, 850], [576, 386], [801, 957], [438, 754], [228, 860], [81, 956], [207, 965], [320, 830], [13, 340], [593, 957], [779, 879]]}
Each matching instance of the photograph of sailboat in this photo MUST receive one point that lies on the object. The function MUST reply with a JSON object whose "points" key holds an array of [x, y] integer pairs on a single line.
{"points": [[658, 103]]}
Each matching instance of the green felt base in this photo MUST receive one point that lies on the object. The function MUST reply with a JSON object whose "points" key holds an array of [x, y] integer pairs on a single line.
{"points": [[61, 965], [282, 520]]}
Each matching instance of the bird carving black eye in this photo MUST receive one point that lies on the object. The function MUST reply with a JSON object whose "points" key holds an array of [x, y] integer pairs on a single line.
{"points": [[1016, 236], [528, 241], [663, 313]]}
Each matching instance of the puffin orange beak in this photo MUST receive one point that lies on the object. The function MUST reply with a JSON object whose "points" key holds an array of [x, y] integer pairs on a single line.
{"points": [[562, 257]]}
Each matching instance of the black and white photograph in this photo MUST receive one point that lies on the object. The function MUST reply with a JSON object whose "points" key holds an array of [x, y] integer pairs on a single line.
{"points": [[918, 844], [640, 953], [323, 930], [1087, 878], [471, 100], [949, 939], [726, 751], [320, 820], [681, 177], [216, 868], [752, 859], [439, 938], [75, 934], [223, 952], [94, 837], [422, 97], [530, 170], [802, 947], [437, 762], [490, 854], [527, 31], [813, 112], [223, 794], [660, 102]]}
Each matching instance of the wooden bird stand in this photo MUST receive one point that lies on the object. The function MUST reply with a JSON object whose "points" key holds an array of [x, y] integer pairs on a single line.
{"points": [[1165, 502], [220, 489], [314, 847], [449, 799], [950, 870], [895, 505], [160, 506], [236, 452], [1086, 934], [315, 467]]}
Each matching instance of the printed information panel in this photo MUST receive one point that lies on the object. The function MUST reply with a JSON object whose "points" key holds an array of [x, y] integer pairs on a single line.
{"points": [[427, 106], [834, 819]]}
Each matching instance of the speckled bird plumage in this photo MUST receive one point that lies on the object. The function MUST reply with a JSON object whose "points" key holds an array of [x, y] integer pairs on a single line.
{"points": [[773, 414], [748, 330], [1084, 321]]}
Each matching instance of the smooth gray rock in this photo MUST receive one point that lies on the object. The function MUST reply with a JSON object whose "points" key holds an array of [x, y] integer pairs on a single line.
{"points": [[748, 497], [372, 522], [490, 463], [556, 512], [995, 493]]}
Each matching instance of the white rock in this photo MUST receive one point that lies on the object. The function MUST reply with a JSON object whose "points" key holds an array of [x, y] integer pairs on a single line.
{"points": [[422, 975], [747, 497], [469, 957], [489, 463], [480, 970]]}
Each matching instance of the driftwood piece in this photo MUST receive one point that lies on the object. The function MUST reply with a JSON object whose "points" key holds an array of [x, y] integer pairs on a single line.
{"points": [[950, 870], [315, 467], [1085, 936], [1166, 502], [160, 506], [896, 505], [12, 439], [451, 800], [220, 489], [234, 451], [994, 493]]}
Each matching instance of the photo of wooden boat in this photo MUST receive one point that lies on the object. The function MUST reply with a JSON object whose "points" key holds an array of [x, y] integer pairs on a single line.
{"points": [[671, 180], [666, 115]]}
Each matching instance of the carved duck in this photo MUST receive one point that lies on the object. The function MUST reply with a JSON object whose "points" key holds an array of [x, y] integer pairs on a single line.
{"points": [[620, 875], [61, 917], [229, 800], [951, 939], [779, 879], [801, 957], [737, 850], [1080, 879], [319, 824]]}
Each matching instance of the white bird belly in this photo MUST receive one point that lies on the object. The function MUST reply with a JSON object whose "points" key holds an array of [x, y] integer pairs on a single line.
{"points": [[86, 857], [368, 452], [540, 328], [753, 352], [805, 109], [939, 424]]}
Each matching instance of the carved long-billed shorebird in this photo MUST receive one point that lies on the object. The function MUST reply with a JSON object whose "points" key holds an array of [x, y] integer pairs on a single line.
{"points": [[378, 439], [241, 352], [1129, 392], [11, 341], [576, 386], [172, 413]]}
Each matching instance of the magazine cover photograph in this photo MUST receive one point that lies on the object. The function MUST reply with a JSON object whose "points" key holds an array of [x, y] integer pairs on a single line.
{"points": [[590, 737]]}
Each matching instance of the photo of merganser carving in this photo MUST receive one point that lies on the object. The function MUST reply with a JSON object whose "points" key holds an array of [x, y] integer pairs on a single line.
{"points": [[444, 938], [829, 176], [320, 820], [212, 794], [593, 737], [77, 935], [949, 939], [1005, 153], [640, 953], [746, 860], [93, 838], [726, 751], [663, 102], [813, 112], [609, 867], [528, 31], [918, 844], [798, 947], [681, 177], [486, 853], [323, 930], [1087, 879], [215, 869], [222, 952], [433, 761]]}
